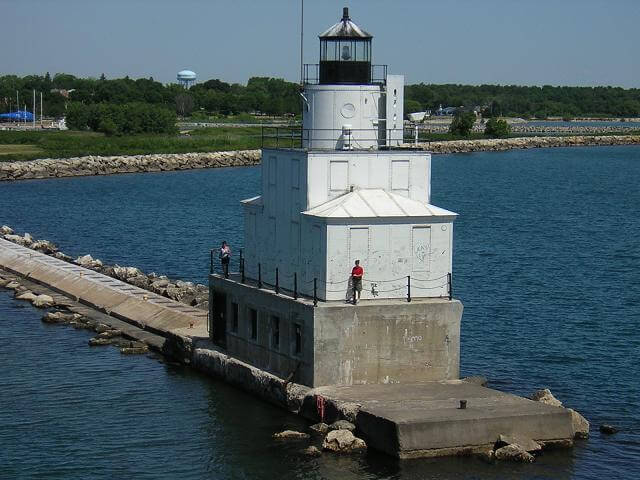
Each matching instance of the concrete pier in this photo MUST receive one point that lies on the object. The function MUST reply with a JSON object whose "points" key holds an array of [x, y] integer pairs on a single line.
{"points": [[403, 420], [425, 419]]}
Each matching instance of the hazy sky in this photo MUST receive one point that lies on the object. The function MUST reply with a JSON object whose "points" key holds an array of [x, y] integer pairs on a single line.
{"points": [[535, 42]]}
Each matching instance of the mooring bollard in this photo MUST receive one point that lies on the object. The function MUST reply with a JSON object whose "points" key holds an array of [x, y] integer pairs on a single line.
{"points": [[463, 404], [450, 282]]}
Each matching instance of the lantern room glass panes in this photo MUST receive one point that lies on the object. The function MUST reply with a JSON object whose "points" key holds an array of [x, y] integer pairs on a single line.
{"points": [[345, 50]]}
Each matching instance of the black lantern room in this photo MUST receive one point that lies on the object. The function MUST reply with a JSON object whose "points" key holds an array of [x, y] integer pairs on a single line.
{"points": [[345, 53]]}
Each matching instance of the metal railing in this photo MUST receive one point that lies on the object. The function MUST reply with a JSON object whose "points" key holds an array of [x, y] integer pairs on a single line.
{"points": [[311, 74], [292, 283], [333, 138]]}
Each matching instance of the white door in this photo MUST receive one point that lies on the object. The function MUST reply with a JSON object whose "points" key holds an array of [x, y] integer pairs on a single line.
{"points": [[421, 248]]}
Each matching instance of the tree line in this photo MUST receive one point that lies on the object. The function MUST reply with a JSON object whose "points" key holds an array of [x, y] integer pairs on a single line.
{"points": [[274, 96], [526, 101]]}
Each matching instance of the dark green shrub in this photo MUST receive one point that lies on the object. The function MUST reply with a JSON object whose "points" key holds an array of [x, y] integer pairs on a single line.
{"points": [[496, 128], [462, 123]]}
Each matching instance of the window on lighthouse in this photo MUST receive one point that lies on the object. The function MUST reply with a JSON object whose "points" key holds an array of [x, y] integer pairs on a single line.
{"points": [[346, 52]]}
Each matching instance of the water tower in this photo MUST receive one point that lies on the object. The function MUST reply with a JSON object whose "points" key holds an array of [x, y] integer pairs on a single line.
{"points": [[186, 78]]}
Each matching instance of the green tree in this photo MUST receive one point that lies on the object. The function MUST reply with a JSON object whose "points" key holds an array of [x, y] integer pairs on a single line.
{"points": [[108, 127], [462, 123], [184, 104], [77, 116], [496, 128], [411, 106]]}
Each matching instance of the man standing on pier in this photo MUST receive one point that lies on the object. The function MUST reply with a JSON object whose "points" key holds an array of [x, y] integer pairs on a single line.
{"points": [[225, 257], [356, 278]]}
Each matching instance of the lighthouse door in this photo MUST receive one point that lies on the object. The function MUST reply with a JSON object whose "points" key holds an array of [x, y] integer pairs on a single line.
{"points": [[219, 320]]}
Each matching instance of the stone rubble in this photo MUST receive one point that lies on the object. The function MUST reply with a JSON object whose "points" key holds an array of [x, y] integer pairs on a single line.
{"points": [[107, 335], [443, 127], [608, 429], [501, 144], [513, 453], [342, 425], [579, 423], [319, 428], [312, 451], [290, 435], [195, 295], [545, 396], [343, 441], [107, 165], [527, 444]]}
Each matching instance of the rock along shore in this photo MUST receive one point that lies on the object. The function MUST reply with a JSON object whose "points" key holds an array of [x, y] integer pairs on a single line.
{"points": [[96, 165], [500, 144]]}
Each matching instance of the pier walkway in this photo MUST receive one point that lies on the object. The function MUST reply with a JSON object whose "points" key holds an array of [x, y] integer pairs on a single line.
{"points": [[145, 309], [403, 420]]}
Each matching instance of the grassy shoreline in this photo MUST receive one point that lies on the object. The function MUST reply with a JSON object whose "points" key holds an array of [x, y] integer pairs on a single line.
{"points": [[32, 145]]}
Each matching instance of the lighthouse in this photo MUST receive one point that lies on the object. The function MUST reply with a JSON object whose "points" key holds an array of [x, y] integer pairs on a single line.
{"points": [[348, 190]]}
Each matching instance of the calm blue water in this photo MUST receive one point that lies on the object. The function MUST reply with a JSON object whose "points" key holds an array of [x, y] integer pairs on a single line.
{"points": [[547, 257]]}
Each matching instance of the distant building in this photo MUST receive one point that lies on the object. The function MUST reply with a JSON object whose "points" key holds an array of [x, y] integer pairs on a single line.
{"points": [[186, 78]]}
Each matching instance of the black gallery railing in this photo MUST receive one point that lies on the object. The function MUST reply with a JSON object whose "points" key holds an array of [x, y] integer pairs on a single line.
{"points": [[290, 283], [331, 138]]}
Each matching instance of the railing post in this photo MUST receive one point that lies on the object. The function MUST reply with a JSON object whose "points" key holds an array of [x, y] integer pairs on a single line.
{"points": [[259, 275], [277, 137], [211, 262], [277, 282], [315, 292], [295, 285], [450, 282], [408, 288], [242, 279]]}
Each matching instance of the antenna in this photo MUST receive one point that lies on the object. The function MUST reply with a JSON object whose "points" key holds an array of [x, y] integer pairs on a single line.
{"points": [[301, 43]]}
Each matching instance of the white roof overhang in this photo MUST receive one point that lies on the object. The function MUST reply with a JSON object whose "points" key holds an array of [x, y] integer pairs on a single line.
{"points": [[380, 204]]}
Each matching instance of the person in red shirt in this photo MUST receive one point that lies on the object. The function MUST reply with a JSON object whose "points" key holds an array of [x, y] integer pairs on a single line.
{"points": [[356, 278]]}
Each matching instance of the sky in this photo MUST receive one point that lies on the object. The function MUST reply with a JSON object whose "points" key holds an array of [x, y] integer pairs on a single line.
{"points": [[506, 42]]}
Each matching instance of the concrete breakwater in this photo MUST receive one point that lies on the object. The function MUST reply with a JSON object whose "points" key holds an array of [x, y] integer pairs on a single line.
{"points": [[404, 420], [97, 165], [195, 295], [500, 144]]}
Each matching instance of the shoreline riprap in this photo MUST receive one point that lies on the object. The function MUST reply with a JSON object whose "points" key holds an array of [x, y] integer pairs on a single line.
{"points": [[501, 144], [189, 293], [96, 165]]}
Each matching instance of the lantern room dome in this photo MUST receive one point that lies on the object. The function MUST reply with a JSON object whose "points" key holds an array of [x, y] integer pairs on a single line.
{"points": [[345, 54], [345, 28]]}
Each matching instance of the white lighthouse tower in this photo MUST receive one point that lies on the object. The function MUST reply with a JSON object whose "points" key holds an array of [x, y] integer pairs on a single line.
{"points": [[349, 191]]}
